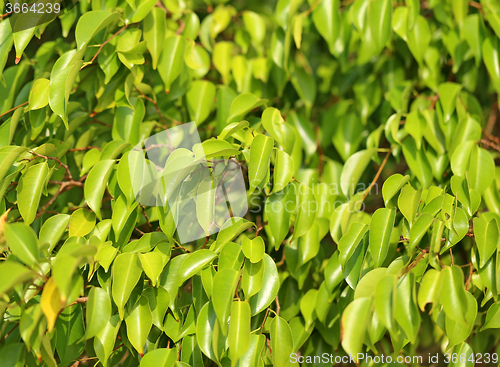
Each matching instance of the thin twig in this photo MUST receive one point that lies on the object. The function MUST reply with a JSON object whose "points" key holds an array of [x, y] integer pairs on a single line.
{"points": [[106, 42], [378, 173], [79, 300], [156, 106], [13, 109], [61, 164]]}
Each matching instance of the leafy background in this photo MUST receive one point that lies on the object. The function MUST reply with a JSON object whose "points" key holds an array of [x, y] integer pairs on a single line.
{"points": [[381, 114]]}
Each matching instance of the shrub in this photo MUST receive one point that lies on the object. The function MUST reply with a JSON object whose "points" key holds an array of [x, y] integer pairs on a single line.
{"points": [[337, 192]]}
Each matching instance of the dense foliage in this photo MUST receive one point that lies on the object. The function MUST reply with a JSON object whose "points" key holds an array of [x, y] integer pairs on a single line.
{"points": [[365, 131]]}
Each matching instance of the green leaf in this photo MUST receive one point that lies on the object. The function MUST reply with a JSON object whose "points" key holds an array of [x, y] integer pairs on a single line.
{"points": [[206, 327], [333, 272], [253, 249], [95, 184], [200, 99], [385, 302], [418, 162], [481, 169], [215, 148], [354, 321], [392, 186], [350, 241], [252, 278], [30, 189], [239, 330], [407, 313], [278, 210], [307, 208], [98, 311], [308, 306], [430, 289], [266, 295], [231, 257], [82, 222], [104, 341], [22, 242], [243, 104], [91, 23], [305, 86], [486, 238], [260, 156], [221, 59], [381, 227], [60, 89], [281, 342], [39, 94], [140, 12], [283, 170], [14, 274], [326, 18], [52, 230], [491, 55], [194, 263], [225, 282], [152, 263], [492, 317], [6, 42], [456, 332], [353, 169], [347, 135], [255, 25], [419, 229], [154, 33], [161, 357], [127, 271], [8, 155], [379, 21], [448, 93], [453, 297], [416, 125], [139, 322], [408, 202], [171, 59], [127, 123], [419, 38]]}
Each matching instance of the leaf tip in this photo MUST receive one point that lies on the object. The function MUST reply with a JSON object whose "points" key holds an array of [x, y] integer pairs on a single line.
{"points": [[18, 58]]}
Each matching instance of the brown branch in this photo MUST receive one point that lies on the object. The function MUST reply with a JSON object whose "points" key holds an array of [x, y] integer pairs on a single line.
{"points": [[156, 107], [61, 164], [64, 186], [490, 144], [13, 109], [265, 318], [98, 122], [79, 300], [469, 278], [477, 6], [320, 150], [109, 39], [260, 228], [84, 148], [147, 218], [492, 119], [378, 172]]}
